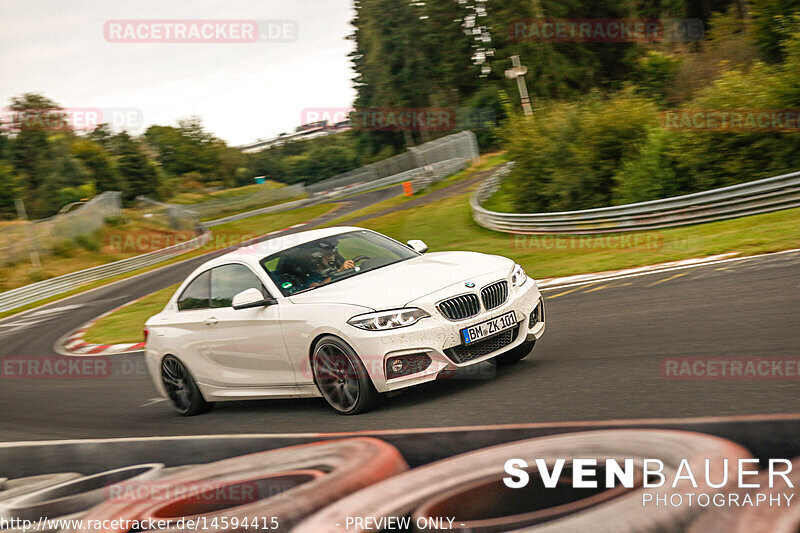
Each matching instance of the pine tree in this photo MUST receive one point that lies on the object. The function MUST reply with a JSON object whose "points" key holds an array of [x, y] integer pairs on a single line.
{"points": [[139, 175]]}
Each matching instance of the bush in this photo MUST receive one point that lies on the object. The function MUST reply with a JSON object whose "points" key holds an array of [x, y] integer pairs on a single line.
{"points": [[87, 243], [114, 221], [568, 154], [62, 249], [654, 74]]}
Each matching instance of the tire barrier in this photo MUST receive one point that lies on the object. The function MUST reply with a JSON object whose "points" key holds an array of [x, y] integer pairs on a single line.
{"points": [[437, 486], [346, 466], [760, 519], [204, 503], [315, 487], [14, 488], [73, 496]]}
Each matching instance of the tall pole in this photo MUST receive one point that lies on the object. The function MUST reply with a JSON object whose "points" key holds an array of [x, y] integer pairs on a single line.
{"points": [[518, 71]]}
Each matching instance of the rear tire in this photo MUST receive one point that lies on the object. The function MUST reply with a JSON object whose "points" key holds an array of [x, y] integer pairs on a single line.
{"points": [[341, 377], [516, 354], [182, 389]]}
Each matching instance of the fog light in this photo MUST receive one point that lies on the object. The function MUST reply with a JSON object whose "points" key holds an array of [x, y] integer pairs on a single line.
{"points": [[405, 365], [537, 315]]}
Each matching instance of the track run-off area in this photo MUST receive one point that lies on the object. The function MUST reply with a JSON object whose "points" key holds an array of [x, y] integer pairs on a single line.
{"points": [[604, 356]]}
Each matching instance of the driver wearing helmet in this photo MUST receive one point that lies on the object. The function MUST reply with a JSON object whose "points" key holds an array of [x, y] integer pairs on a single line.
{"points": [[325, 261]]}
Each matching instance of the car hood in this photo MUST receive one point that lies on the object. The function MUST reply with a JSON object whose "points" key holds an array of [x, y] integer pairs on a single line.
{"points": [[396, 285]]}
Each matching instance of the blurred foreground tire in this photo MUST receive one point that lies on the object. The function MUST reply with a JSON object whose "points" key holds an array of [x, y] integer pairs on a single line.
{"points": [[70, 499], [345, 466], [14, 488], [73, 496], [481, 472], [763, 518]]}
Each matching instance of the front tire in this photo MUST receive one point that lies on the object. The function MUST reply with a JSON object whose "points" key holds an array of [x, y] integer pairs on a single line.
{"points": [[515, 354], [341, 377], [182, 389]]}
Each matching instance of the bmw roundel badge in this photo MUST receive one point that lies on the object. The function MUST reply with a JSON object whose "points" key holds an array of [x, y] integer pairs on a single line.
{"points": [[469, 284]]}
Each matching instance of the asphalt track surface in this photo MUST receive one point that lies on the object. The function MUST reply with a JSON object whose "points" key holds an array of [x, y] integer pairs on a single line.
{"points": [[600, 358]]}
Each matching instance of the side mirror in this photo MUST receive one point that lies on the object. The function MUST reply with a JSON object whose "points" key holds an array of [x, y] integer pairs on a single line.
{"points": [[251, 298], [418, 245]]}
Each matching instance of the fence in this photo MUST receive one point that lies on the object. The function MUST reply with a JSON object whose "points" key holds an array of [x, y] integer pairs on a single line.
{"points": [[18, 240], [462, 145], [54, 286], [181, 215], [762, 196], [421, 177]]}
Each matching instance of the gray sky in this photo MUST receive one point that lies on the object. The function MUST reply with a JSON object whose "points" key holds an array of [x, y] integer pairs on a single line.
{"points": [[242, 91]]}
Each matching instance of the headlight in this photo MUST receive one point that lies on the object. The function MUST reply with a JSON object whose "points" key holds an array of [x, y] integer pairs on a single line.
{"points": [[518, 276], [383, 320]]}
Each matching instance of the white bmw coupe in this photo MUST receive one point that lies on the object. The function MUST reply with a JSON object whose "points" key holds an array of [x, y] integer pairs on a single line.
{"points": [[344, 313]]}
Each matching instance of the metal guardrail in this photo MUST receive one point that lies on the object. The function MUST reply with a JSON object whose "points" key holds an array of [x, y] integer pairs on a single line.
{"points": [[61, 284], [421, 177], [430, 174], [762, 196]]}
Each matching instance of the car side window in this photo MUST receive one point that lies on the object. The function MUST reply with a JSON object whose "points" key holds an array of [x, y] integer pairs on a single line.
{"points": [[196, 294], [229, 280]]}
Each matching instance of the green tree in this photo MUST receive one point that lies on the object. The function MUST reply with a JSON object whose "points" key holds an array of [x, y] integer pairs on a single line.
{"points": [[139, 175], [9, 190], [63, 170], [771, 21], [34, 118], [99, 163]]}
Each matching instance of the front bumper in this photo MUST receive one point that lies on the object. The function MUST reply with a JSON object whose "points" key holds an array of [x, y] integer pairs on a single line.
{"points": [[436, 336]]}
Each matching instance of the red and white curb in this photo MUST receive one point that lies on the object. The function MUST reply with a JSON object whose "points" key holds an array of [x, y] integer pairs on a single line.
{"points": [[300, 225], [75, 344]]}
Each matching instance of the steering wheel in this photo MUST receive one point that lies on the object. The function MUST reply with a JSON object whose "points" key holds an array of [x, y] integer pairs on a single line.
{"points": [[360, 258]]}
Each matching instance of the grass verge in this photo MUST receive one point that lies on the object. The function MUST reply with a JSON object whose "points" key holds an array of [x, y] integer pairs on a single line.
{"points": [[126, 324], [484, 162], [448, 225]]}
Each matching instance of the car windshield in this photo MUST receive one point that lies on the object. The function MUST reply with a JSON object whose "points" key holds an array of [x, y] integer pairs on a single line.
{"points": [[324, 261]]}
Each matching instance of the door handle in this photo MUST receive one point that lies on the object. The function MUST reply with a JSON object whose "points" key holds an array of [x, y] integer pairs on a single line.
{"points": [[211, 321]]}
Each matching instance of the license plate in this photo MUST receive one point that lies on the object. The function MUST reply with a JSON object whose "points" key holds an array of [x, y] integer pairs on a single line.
{"points": [[488, 328]]}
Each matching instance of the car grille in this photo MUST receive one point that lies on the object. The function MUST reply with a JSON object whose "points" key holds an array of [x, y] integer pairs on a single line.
{"points": [[462, 354], [460, 307], [494, 295]]}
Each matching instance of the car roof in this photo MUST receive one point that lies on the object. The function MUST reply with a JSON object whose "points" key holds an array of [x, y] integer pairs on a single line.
{"points": [[268, 247]]}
